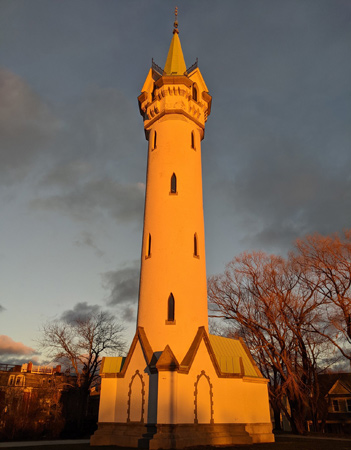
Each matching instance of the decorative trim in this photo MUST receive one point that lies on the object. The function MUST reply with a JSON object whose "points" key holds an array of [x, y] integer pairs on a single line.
{"points": [[173, 111], [170, 79], [147, 350], [142, 397], [187, 361], [203, 374]]}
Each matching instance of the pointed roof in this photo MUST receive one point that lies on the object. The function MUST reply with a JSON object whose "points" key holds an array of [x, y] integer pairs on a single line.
{"points": [[167, 360], [175, 64]]}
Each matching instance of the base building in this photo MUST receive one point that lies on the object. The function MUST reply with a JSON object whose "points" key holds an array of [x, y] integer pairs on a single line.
{"points": [[179, 386]]}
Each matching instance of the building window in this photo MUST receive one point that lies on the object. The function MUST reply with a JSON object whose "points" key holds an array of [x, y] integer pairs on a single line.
{"points": [[336, 406], [194, 93], [154, 141], [196, 252], [193, 140], [148, 247], [173, 184], [20, 380], [170, 313], [11, 381], [348, 404]]}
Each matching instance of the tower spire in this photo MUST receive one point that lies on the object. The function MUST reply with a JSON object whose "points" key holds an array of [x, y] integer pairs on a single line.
{"points": [[175, 64]]}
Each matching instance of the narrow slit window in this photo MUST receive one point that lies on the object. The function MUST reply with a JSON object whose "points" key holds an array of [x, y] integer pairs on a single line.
{"points": [[173, 184], [193, 140], [155, 140], [170, 315], [194, 93], [148, 248], [195, 245]]}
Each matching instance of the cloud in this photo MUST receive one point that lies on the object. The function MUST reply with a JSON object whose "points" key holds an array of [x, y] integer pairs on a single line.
{"points": [[288, 172], [123, 287], [94, 163], [9, 347], [18, 361], [123, 202], [80, 311], [2, 309], [88, 241], [26, 126]]}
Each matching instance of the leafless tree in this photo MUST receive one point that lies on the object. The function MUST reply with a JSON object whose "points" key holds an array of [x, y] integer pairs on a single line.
{"points": [[263, 297], [81, 344], [325, 263]]}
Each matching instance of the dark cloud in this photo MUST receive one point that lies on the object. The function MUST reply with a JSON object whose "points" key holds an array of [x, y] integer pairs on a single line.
{"points": [[18, 361], [9, 347], [283, 190], [80, 311], [128, 313], [123, 202], [87, 240], [94, 166], [26, 127], [123, 287]]}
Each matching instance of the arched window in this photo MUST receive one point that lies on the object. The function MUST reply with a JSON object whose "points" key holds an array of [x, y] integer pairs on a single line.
{"points": [[195, 245], [155, 140], [148, 247], [193, 140], [194, 93], [173, 184], [170, 314]]}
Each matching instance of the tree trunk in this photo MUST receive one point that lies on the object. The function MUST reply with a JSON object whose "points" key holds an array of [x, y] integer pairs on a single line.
{"points": [[276, 412]]}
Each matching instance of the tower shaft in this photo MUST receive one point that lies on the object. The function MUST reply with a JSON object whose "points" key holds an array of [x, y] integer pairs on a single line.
{"points": [[173, 294]]}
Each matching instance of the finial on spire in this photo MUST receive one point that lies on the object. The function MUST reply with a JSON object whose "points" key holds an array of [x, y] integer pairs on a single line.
{"points": [[176, 21]]}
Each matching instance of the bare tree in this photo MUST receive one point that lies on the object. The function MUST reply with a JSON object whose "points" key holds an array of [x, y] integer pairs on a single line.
{"points": [[325, 263], [269, 307], [81, 344]]}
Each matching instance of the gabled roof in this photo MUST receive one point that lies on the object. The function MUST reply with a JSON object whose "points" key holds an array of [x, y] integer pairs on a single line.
{"points": [[340, 388], [175, 64], [111, 364], [328, 380], [230, 357]]}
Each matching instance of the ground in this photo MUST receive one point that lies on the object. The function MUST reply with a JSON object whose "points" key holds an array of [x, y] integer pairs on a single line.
{"points": [[282, 443]]}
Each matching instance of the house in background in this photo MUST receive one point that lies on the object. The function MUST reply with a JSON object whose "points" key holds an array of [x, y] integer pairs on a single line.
{"points": [[336, 388], [30, 400]]}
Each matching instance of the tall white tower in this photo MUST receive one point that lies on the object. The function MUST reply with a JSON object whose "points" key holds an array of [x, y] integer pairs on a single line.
{"points": [[179, 386], [175, 105]]}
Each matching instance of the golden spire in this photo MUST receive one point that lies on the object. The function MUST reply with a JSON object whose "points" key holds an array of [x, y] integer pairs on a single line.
{"points": [[175, 64]]}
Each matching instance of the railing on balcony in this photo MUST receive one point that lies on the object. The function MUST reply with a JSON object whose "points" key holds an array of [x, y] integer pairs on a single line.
{"points": [[157, 68], [191, 68]]}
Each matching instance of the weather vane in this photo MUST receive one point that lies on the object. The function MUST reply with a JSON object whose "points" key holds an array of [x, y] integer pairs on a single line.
{"points": [[176, 21]]}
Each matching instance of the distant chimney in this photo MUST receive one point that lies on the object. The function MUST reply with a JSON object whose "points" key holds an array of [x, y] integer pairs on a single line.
{"points": [[57, 369], [29, 367]]}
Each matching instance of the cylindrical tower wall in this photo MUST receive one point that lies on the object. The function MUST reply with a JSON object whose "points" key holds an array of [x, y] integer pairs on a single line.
{"points": [[173, 252]]}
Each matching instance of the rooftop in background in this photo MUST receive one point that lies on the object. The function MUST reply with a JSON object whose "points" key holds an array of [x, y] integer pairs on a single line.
{"points": [[30, 368]]}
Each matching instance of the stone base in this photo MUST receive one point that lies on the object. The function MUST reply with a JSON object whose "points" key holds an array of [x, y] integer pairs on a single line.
{"points": [[137, 435]]}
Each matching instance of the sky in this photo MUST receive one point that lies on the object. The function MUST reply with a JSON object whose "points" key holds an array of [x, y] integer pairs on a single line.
{"points": [[276, 155]]}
